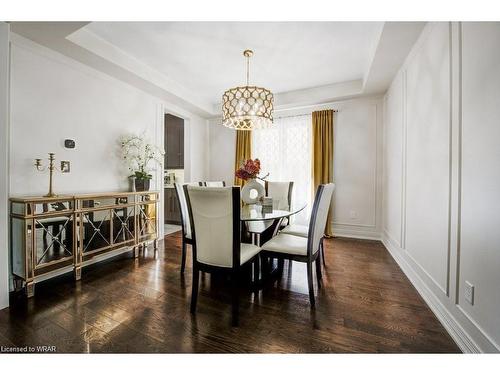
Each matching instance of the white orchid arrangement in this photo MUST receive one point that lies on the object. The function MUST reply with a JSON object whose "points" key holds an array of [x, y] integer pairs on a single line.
{"points": [[138, 154]]}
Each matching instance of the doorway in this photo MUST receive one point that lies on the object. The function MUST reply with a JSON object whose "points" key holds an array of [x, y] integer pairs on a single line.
{"points": [[173, 170]]}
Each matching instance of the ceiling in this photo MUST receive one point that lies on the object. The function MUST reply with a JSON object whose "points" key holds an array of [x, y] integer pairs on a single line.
{"points": [[190, 64], [206, 57]]}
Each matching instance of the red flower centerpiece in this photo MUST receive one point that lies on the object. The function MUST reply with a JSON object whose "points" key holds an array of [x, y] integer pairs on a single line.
{"points": [[252, 191], [248, 169]]}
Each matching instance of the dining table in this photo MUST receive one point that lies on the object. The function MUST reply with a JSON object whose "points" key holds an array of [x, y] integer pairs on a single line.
{"points": [[263, 222], [259, 224], [258, 212]]}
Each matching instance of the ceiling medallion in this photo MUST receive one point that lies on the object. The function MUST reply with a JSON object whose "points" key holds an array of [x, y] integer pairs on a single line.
{"points": [[247, 107]]}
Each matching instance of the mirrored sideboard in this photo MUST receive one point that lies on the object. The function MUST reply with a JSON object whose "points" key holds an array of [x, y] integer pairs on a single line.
{"points": [[51, 236]]}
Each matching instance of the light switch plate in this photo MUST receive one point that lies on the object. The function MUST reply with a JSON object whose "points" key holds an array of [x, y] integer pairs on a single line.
{"points": [[65, 166], [469, 292]]}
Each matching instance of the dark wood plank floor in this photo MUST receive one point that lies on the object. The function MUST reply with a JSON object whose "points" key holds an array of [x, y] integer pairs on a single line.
{"points": [[366, 304]]}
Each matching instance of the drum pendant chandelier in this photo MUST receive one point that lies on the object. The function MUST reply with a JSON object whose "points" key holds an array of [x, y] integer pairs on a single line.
{"points": [[247, 107]]}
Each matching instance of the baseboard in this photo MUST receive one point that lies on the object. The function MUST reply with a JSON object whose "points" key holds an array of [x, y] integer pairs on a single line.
{"points": [[361, 233], [452, 326]]}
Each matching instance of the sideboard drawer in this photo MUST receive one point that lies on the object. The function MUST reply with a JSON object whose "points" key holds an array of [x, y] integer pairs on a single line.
{"points": [[98, 202], [147, 197]]}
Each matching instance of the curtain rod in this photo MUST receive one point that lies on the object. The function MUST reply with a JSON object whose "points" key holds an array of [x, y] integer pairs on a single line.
{"points": [[305, 114]]}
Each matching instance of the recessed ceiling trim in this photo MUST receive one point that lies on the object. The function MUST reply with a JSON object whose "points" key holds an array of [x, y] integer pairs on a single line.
{"points": [[92, 42], [53, 35], [395, 42], [75, 40]]}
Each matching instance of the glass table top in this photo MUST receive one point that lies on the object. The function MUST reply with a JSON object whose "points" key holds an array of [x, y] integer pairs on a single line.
{"points": [[254, 212]]}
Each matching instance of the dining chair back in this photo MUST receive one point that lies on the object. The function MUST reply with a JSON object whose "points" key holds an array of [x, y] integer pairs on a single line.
{"points": [[281, 192], [186, 225], [185, 222], [212, 183], [215, 224], [319, 216]]}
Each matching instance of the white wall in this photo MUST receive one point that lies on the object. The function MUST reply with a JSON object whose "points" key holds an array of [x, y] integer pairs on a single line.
{"points": [[479, 260], [4, 166], [358, 168], [53, 98], [222, 142], [357, 163], [442, 176]]}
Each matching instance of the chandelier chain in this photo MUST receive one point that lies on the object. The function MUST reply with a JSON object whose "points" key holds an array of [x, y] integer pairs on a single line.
{"points": [[248, 70]]}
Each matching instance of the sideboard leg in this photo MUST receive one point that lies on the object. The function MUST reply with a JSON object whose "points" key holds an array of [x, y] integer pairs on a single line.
{"points": [[136, 251], [18, 283], [78, 272], [155, 244], [30, 289]]}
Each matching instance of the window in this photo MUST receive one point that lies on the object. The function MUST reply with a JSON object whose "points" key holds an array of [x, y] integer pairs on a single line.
{"points": [[285, 152]]}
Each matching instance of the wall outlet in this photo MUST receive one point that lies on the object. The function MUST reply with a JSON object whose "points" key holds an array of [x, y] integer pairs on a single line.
{"points": [[469, 292], [353, 214]]}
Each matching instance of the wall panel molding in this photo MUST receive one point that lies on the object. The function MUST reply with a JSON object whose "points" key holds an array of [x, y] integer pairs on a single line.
{"points": [[403, 163], [370, 221], [461, 321], [478, 179], [413, 261], [455, 161], [354, 225], [421, 143], [452, 326]]}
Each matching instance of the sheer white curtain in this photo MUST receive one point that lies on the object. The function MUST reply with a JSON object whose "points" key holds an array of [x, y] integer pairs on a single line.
{"points": [[285, 152]]}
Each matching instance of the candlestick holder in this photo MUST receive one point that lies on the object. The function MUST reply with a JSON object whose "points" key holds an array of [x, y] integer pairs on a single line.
{"points": [[65, 168]]}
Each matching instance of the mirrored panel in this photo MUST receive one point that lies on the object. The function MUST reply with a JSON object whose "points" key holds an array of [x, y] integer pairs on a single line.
{"points": [[18, 237], [96, 230], [123, 224], [53, 239], [147, 219], [18, 208]]}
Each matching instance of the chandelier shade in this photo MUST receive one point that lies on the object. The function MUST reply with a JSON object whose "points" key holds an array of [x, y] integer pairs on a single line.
{"points": [[247, 107]]}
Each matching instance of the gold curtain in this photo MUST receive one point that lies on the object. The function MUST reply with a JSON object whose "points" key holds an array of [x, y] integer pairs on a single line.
{"points": [[243, 151], [322, 168]]}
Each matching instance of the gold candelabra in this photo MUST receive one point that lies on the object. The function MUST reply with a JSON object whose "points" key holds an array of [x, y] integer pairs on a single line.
{"points": [[51, 167]]}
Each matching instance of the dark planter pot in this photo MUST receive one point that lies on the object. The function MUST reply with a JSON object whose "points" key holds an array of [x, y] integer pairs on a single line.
{"points": [[142, 185]]}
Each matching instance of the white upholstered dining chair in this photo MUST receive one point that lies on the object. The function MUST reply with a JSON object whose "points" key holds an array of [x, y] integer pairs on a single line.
{"points": [[304, 249], [216, 235], [303, 231], [281, 192]]}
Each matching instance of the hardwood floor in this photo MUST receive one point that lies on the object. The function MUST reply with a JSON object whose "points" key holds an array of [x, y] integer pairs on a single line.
{"points": [[366, 304]]}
